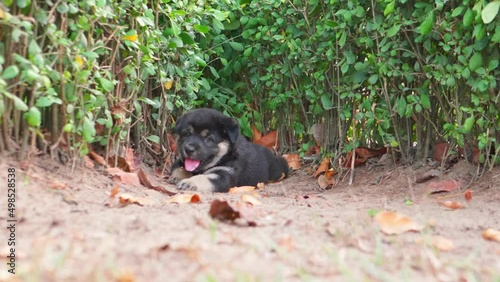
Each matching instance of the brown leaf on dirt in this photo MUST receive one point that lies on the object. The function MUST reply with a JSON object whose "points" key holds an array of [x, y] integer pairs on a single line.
{"points": [[393, 223], [427, 175], [294, 161], [241, 189], [126, 199], [88, 162], [323, 166], [452, 205], [221, 210], [143, 179], [440, 151], [129, 178], [247, 198], [439, 242], [269, 140], [114, 191], [326, 180], [119, 162], [313, 150], [491, 235], [184, 199], [447, 185], [58, 185], [133, 160], [468, 195], [171, 142], [256, 134], [125, 276], [98, 159], [24, 165]]}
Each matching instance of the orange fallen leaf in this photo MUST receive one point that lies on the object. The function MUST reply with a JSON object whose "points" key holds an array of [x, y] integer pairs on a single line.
{"points": [[439, 242], [126, 199], [58, 185], [443, 186], [98, 159], [269, 140], [323, 166], [491, 235], [114, 191], [221, 210], [124, 177], [185, 198], [119, 162], [256, 134], [468, 195], [132, 160], [294, 161], [250, 199], [451, 205], [143, 179], [393, 223], [241, 189]]}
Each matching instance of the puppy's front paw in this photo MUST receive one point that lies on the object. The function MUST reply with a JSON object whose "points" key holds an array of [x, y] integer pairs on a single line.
{"points": [[196, 183]]}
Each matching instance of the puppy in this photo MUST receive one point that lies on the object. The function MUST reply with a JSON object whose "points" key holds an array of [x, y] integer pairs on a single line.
{"points": [[213, 156]]}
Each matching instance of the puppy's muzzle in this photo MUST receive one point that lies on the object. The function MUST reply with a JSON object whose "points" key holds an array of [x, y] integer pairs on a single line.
{"points": [[190, 149]]}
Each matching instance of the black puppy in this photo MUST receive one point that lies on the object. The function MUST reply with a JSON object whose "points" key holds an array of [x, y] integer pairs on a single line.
{"points": [[213, 155]]}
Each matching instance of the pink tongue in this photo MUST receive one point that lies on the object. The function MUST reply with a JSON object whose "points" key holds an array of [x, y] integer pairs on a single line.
{"points": [[190, 164]]}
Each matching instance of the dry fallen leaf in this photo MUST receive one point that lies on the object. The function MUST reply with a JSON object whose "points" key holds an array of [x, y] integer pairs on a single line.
{"points": [[468, 195], [439, 242], [88, 162], [323, 166], [114, 191], [256, 134], [451, 205], [124, 177], [58, 185], [143, 179], [394, 223], [241, 189], [443, 186], [98, 159], [126, 199], [269, 140], [221, 210], [184, 198], [294, 161], [250, 199], [132, 160], [491, 235]]}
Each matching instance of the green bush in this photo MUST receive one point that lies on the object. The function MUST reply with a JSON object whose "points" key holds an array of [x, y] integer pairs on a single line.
{"points": [[394, 73]]}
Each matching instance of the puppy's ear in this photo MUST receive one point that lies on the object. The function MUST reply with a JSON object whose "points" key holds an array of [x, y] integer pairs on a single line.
{"points": [[179, 125], [231, 128]]}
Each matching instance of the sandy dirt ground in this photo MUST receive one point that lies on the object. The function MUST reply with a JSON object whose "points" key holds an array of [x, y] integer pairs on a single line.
{"points": [[68, 229]]}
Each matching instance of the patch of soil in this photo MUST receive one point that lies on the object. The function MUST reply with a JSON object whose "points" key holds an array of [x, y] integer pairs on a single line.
{"points": [[67, 231]]}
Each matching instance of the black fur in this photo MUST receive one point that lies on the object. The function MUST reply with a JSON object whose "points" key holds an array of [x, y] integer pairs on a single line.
{"points": [[219, 157]]}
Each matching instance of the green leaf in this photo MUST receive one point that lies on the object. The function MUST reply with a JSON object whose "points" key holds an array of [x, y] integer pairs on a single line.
{"points": [[458, 11], [154, 138], [236, 46], [10, 72], [373, 79], [18, 103], [389, 8], [186, 38], [469, 122], [468, 18], [427, 24], [401, 106], [200, 62], [106, 84], [393, 30], [490, 11], [201, 28], [326, 101], [247, 52], [425, 101], [476, 61], [88, 130], [33, 117]]}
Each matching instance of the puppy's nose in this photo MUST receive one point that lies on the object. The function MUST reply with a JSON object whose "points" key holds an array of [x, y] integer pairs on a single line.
{"points": [[189, 149]]}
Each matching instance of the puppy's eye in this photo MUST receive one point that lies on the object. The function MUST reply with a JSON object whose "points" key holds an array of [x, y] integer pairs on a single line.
{"points": [[208, 138], [186, 133]]}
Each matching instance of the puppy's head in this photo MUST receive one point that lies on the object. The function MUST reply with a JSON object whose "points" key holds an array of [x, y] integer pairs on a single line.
{"points": [[204, 137]]}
